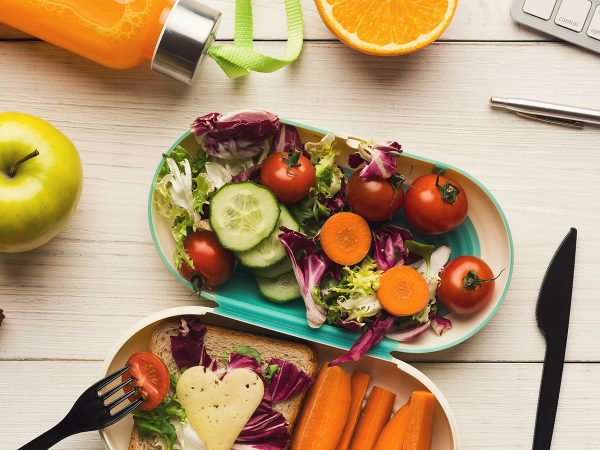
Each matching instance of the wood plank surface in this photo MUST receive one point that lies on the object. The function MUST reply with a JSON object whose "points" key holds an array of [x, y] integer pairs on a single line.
{"points": [[480, 20], [67, 302], [102, 273], [494, 404]]}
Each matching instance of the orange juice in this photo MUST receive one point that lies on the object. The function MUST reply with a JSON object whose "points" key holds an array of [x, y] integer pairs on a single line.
{"points": [[115, 33]]}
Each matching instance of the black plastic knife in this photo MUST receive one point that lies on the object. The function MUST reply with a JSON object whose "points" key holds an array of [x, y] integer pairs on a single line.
{"points": [[552, 314]]}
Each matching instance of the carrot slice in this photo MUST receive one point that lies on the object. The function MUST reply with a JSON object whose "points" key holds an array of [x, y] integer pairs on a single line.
{"points": [[325, 411], [392, 436], [359, 384], [402, 291], [373, 418], [346, 238], [420, 421]]}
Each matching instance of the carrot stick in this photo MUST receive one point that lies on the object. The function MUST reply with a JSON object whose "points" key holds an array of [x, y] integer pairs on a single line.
{"points": [[325, 411], [346, 238], [420, 421], [392, 436], [402, 291], [359, 384], [373, 418]]}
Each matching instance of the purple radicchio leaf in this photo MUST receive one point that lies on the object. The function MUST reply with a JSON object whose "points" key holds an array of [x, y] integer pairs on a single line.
{"points": [[379, 159], [333, 272], [369, 339], [409, 333], [336, 203], [309, 267], [440, 324], [355, 160], [188, 346], [351, 325], [250, 174], [287, 139], [239, 135], [265, 430], [389, 250], [237, 361], [288, 381]]}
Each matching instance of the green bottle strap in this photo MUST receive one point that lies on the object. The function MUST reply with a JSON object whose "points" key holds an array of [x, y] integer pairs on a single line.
{"points": [[238, 59]]}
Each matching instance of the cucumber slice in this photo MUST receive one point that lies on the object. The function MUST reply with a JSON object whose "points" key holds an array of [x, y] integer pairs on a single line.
{"points": [[282, 289], [243, 214], [270, 251], [275, 270]]}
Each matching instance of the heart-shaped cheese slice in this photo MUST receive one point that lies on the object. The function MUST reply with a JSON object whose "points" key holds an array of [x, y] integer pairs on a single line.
{"points": [[219, 409]]}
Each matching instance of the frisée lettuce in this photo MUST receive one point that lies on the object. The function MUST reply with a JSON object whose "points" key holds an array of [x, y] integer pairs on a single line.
{"points": [[181, 193], [353, 297]]}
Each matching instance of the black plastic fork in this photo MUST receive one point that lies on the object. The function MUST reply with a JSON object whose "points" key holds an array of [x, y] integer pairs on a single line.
{"points": [[90, 412]]}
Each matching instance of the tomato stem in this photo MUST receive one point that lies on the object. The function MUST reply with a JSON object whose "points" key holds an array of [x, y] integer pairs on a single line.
{"points": [[292, 160], [397, 181], [197, 283], [472, 280], [13, 170], [448, 191]]}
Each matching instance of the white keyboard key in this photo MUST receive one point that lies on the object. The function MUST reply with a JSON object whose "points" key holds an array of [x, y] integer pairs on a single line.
{"points": [[594, 29], [539, 8], [572, 14]]}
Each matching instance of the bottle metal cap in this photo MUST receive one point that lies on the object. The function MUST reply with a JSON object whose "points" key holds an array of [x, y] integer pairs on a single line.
{"points": [[187, 35]]}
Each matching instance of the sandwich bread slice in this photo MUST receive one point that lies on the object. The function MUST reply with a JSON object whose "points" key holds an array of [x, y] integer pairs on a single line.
{"points": [[222, 341]]}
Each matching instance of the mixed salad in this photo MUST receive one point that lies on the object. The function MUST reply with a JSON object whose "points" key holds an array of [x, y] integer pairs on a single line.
{"points": [[306, 228]]}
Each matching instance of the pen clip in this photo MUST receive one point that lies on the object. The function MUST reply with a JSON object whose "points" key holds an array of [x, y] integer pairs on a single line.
{"points": [[553, 120]]}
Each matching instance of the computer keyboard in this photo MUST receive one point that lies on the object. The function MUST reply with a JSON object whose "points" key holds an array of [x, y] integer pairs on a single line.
{"points": [[576, 21]]}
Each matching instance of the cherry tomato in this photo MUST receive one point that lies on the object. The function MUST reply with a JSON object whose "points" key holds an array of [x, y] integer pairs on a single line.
{"points": [[467, 285], [375, 199], [434, 204], [151, 378], [289, 175], [213, 264]]}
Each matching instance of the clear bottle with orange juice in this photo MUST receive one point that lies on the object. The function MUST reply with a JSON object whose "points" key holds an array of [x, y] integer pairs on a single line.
{"points": [[173, 34]]}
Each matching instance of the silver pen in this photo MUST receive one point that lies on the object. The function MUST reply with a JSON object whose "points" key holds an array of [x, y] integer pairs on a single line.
{"points": [[570, 116]]}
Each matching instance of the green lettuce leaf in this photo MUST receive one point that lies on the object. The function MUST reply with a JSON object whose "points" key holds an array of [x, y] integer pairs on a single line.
{"points": [[179, 154], [310, 214], [248, 351], [270, 371], [328, 174], [423, 250], [163, 429], [157, 421]]}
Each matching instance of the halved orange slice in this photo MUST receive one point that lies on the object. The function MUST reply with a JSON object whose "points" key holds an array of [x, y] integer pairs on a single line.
{"points": [[387, 27]]}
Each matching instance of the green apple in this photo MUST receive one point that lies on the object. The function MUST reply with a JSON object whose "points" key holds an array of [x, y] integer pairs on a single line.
{"points": [[40, 181]]}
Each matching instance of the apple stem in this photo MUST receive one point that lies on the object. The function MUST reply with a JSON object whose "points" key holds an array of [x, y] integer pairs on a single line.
{"points": [[13, 170]]}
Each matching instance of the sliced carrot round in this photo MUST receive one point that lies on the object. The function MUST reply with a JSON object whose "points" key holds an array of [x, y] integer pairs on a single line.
{"points": [[402, 291], [346, 238]]}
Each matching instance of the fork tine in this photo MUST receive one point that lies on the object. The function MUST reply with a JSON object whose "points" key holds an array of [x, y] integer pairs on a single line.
{"points": [[117, 388], [106, 381], [128, 409], [121, 399], [125, 411]]}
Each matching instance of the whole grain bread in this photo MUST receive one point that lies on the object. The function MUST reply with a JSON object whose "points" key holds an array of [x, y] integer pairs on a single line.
{"points": [[219, 340]]}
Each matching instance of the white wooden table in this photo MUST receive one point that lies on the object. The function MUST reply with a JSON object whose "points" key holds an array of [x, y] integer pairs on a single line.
{"points": [[67, 302]]}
